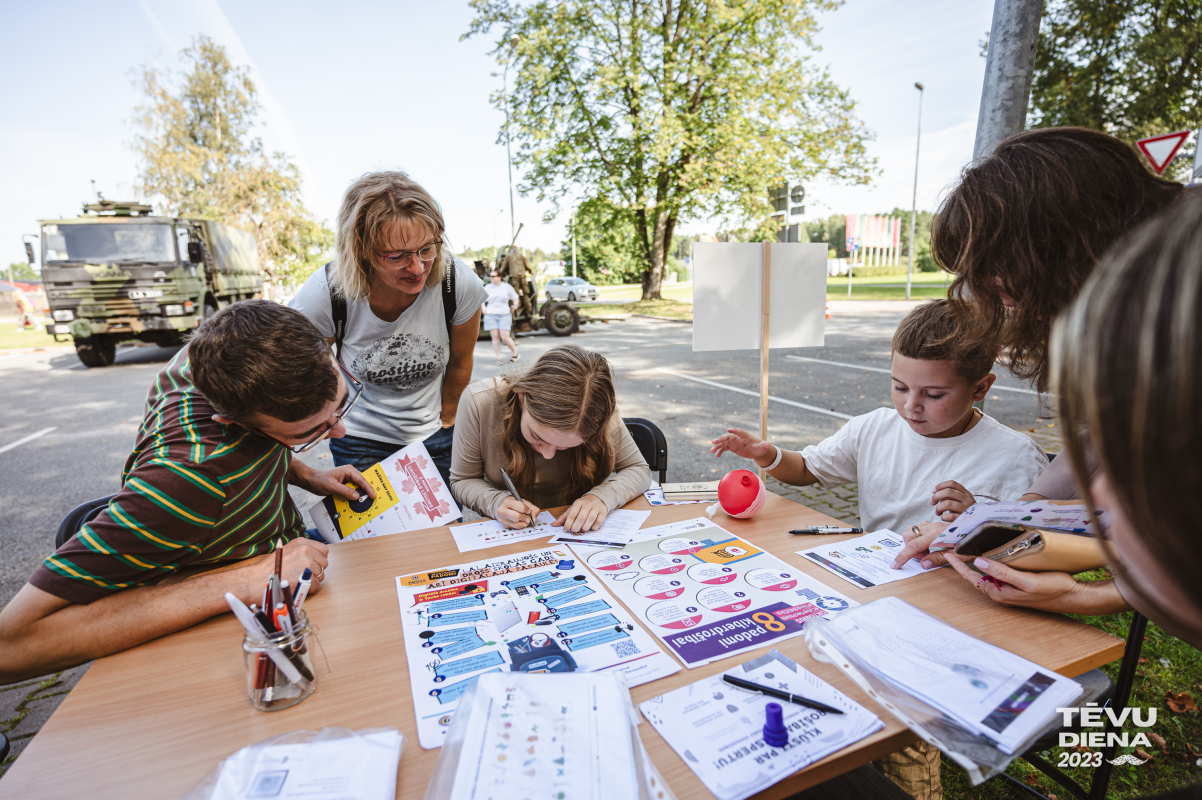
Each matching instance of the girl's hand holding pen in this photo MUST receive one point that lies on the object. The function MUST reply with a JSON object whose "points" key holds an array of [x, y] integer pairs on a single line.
{"points": [[516, 514]]}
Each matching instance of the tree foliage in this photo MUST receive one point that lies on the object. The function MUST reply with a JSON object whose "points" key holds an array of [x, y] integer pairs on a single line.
{"points": [[670, 109], [1131, 68], [22, 271], [199, 160]]}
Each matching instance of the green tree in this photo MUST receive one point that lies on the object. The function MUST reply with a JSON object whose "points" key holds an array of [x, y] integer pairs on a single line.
{"points": [[606, 248], [199, 159], [670, 109], [1131, 68], [22, 271]]}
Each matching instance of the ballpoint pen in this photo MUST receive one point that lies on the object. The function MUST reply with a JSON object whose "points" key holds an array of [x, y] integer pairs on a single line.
{"points": [[514, 491], [819, 530], [777, 693]]}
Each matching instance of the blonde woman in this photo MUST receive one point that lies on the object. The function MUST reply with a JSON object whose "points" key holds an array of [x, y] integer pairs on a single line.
{"points": [[409, 317], [555, 429]]}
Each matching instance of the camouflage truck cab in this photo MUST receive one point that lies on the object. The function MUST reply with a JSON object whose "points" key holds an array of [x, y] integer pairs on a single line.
{"points": [[116, 273]]}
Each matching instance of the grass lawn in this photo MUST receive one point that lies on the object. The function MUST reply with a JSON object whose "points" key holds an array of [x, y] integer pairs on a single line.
{"points": [[925, 285], [10, 338], [1166, 665], [871, 292], [633, 291], [673, 309]]}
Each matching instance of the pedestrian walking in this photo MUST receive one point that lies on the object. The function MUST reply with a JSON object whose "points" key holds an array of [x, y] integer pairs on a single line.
{"points": [[498, 309]]}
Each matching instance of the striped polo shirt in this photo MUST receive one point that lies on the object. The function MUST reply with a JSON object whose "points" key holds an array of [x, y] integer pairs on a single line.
{"points": [[194, 492]]}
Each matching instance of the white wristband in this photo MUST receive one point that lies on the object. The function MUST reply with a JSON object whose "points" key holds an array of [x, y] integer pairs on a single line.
{"points": [[776, 462]]}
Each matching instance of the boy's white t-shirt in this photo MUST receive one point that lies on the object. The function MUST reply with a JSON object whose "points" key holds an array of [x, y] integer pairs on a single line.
{"points": [[897, 469]]}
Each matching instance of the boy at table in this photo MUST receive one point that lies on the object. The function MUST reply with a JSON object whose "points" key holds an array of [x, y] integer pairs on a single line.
{"points": [[205, 485], [929, 457]]}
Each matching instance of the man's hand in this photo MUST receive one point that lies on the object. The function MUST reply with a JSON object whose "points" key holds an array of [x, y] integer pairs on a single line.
{"points": [[918, 546], [333, 481], [516, 514], [299, 555], [951, 500], [743, 444], [1047, 591], [586, 514]]}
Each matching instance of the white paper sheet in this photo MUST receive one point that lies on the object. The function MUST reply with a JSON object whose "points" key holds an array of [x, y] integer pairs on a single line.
{"points": [[993, 692], [488, 533], [410, 496], [717, 729], [563, 736], [866, 560], [362, 767], [535, 611], [708, 594]]}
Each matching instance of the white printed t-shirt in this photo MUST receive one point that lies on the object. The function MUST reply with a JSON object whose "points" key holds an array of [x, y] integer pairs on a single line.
{"points": [[499, 298], [897, 469], [400, 363]]}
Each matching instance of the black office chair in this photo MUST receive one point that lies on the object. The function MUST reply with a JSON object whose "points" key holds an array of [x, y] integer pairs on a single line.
{"points": [[651, 442], [78, 517], [1106, 693], [3, 747]]}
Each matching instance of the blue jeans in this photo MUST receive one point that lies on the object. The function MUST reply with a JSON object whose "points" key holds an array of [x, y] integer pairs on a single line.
{"points": [[362, 453]]}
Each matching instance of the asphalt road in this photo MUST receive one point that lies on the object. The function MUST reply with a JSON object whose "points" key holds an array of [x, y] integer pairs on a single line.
{"points": [[693, 397]]}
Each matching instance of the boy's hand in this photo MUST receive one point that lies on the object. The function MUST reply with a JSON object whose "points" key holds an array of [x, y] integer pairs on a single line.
{"points": [[951, 500], [516, 514], [918, 544], [743, 444]]}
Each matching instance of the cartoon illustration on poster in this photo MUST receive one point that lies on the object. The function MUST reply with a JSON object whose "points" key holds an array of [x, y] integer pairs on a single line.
{"points": [[410, 496], [708, 594], [539, 612]]}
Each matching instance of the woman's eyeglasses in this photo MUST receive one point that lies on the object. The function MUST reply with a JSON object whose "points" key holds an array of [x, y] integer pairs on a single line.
{"points": [[402, 257]]}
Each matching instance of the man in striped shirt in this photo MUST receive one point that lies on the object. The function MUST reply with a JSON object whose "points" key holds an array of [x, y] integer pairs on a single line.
{"points": [[206, 485]]}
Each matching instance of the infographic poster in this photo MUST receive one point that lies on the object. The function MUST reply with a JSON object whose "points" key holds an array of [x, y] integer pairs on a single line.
{"points": [[708, 594], [535, 612], [410, 496]]}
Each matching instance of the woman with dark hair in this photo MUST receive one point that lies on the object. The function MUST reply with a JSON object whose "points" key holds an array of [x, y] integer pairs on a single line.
{"points": [[555, 430], [1127, 373], [1022, 232]]}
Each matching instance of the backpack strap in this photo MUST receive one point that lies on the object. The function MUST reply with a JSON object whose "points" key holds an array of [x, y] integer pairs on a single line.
{"points": [[448, 297], [338, 313]]}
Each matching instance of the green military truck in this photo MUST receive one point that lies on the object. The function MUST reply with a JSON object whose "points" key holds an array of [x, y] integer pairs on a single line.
{"points": [[117, 273]]}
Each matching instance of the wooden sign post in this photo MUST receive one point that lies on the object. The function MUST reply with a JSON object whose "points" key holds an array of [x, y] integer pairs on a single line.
{"points": [[765, 327]]}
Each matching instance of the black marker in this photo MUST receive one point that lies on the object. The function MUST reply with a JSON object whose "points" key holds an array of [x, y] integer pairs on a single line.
{"points": [[820, 530], [791, 698]]}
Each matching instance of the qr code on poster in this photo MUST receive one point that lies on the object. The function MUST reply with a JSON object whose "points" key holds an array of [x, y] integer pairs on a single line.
{"points": [[624, 648]]}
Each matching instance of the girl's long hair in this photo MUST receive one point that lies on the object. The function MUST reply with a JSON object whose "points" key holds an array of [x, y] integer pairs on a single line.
{"points": [[1032, 220], [570, 390]]}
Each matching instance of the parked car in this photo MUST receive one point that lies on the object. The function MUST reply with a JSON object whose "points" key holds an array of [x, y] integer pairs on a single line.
{"points": [[570, 289]]}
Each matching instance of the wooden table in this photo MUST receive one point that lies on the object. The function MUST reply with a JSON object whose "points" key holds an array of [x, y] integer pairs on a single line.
{"points": [[151, 721]]}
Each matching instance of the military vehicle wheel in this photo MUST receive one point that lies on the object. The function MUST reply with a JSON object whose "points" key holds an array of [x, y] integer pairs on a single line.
{"points": [[96, 351], [571, 297], [561, 319]]}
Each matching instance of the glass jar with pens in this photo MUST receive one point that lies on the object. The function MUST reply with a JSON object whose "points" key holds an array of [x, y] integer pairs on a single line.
{"points": [[279, 670]]}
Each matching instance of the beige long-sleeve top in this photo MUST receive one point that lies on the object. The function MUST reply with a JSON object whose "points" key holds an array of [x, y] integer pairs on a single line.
{"points": [[477, 458]]}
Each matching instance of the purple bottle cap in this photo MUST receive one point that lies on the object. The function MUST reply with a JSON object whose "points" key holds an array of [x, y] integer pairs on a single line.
{"points": [[775, 734]]}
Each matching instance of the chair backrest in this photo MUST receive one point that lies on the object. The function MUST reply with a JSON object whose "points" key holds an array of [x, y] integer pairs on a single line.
{"points": [[79, 516], [651, 443]]}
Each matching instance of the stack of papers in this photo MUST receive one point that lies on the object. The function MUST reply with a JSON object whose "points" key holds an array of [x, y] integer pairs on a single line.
{"points": [[546, 736], [1001, 697], [1061, 515], [866, 561], [717, 728]]}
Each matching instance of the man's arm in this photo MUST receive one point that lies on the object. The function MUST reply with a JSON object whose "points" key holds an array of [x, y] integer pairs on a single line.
{"points": [[459, 368], [41, 633]]}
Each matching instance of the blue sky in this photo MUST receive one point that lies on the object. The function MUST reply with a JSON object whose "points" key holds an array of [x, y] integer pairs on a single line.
{"points": [[357, 86]]}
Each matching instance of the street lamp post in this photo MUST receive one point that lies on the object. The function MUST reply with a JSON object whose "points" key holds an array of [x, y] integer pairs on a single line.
{"points": [[513, 43], [914, 198], [496, 246], [573, 244]]}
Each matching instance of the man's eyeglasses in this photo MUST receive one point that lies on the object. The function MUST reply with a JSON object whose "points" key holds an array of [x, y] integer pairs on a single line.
{"points": [[355, 391], [402, 257]]}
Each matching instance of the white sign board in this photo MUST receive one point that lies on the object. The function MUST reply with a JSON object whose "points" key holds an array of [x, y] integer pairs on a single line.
{"points": [[727, 285]]}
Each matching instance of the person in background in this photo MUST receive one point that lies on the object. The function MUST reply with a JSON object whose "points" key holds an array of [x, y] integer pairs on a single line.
{"points": [[1127, 376], [555, 430], [205, 486], [392, 268], [1022, 232], [498, 309], [25, 309]]}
